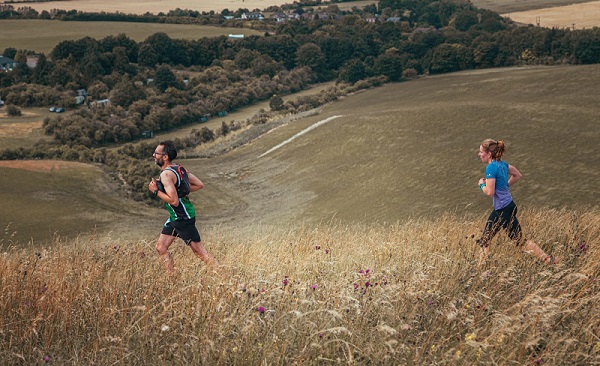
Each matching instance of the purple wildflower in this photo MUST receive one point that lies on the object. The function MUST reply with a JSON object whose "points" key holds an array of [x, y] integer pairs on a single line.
{"points": [[261, 309], [326, 251], [317, 247], [314, 287], [355, 286], [285, 281], [47, 359]]}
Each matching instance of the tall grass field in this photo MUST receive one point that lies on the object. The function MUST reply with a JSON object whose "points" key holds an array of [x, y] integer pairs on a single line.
{"points": [[401, 294]]}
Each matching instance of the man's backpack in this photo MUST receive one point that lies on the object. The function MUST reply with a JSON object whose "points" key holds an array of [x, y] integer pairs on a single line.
{"points": [[183, 181]]}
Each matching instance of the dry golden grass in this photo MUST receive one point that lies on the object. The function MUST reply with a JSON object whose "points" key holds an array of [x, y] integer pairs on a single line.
{"points": [[398, 294], [579, 16]]}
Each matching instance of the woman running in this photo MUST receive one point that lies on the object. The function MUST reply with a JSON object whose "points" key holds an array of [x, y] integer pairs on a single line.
{"points": [[499, 176]]}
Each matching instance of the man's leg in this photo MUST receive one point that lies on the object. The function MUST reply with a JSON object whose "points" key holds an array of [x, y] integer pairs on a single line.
{"points": [[162, 247], [203, 254]]}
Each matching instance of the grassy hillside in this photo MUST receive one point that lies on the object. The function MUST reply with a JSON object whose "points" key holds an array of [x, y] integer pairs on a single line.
{"points": [[406, 294], [45, 199], [44, 35], [410, 149], [406, 150]]}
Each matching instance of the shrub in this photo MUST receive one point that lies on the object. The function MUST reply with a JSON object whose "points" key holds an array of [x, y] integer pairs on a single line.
{"points": [[13, 111]]}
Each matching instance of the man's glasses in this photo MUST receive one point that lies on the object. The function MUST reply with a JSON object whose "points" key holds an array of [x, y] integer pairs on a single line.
{"points": [[158, 153]]}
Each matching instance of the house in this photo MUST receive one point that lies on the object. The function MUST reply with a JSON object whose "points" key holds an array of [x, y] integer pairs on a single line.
{"points": [[279, 17], [371, 20], [253, 16], [393, 19], [236, 36], [7, 64], [100, 103]]}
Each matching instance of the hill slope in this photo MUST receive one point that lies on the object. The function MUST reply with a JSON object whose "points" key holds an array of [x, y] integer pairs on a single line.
{"points": [[410, 149]]}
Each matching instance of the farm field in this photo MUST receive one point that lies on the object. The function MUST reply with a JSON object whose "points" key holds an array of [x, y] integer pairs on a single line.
{"points": [[577, 16], [153, 6], [44, 35], [156, 6], [509, 6]]}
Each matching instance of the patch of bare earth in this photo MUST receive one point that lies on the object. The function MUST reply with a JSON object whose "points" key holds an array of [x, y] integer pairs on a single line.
{"points": [[19, 129], [41, 165]]}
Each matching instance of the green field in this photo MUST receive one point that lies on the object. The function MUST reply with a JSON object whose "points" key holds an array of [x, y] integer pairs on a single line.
{"points": [[44, 35], [405, 150]]}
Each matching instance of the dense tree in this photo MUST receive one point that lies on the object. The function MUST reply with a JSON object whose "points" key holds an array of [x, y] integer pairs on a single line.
{"points": [[389, 64], [125, 93], [42, 71], [276, 103], [164, 78], [310, 55], [353, 71], [10, 52]]}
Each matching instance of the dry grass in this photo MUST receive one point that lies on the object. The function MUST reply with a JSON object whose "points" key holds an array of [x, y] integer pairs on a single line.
{"points": [[508, 6], [399, 294], [577, 16], [44, 35]]}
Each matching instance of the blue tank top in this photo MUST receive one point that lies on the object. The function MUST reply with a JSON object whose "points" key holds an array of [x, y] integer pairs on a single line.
{"points": [[499, 170]]}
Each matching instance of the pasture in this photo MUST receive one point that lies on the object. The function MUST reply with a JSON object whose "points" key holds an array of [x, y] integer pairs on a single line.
{"points": [[44, 35], [23, 130]]}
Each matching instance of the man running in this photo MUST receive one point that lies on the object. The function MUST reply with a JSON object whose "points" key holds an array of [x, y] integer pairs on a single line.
{"points": [[182, 214]]}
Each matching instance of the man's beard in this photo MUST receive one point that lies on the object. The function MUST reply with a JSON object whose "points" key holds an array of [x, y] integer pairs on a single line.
{"points": [[160, 162]]}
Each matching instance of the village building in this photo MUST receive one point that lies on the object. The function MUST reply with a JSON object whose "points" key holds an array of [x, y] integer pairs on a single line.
{"points": [[7, 64]]}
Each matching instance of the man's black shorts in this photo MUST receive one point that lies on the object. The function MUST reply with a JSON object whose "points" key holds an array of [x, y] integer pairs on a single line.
{"points": [[184, 229]]}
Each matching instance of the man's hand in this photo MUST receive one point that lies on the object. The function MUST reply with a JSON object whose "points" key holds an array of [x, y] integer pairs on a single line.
{"points": [[153, 186]]}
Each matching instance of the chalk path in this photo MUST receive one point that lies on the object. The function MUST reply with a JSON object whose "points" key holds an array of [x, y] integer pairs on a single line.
{"points": [[308, 129]]}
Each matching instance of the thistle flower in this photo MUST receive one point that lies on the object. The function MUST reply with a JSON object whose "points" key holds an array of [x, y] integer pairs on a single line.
{"points": [[317, 247], [314, 287], [326, 251], [46, 358], [285, 282], [260, 309]]}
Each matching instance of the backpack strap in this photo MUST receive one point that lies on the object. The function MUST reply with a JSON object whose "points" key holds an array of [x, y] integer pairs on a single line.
{"points": [[174, 169]]}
